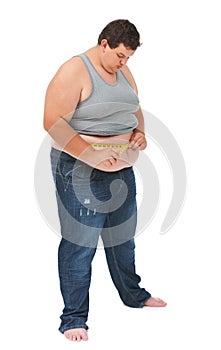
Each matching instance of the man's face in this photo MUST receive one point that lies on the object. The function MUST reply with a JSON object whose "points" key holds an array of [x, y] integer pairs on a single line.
{"points": [[115, 59]]}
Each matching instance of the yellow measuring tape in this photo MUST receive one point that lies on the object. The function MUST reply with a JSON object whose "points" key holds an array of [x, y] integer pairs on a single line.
{"points": [[107, 145]]}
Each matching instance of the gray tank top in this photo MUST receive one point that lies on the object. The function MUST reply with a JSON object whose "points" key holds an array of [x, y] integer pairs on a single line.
{"points": [[110, 108]]}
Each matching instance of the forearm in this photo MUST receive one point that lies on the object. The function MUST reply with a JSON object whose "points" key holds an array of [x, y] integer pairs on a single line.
{"points": [[140, 118], [138, 139], [67, 138], [72, 143]]}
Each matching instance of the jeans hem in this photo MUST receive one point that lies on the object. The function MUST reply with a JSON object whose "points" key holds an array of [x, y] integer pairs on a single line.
{"points": [[64, 329], [142, 304]]}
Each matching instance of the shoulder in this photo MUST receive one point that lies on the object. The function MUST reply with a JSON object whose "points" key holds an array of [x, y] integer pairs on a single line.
{"points": [[74, 64], [69, 79], [72, 68], [67, 83], [128, 75]]}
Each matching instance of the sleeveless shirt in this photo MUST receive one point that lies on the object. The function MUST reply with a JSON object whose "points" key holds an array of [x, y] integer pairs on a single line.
{"points": [[110, 108]]}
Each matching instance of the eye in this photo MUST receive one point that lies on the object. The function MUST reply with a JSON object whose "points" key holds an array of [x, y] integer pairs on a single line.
{"points": [[120, 56]]}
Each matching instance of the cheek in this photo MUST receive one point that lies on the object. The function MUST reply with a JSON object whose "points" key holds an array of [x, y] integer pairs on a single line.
{"points": [[117, 60], [113, 61]]}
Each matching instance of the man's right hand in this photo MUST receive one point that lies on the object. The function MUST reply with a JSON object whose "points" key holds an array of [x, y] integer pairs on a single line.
{"points": [[94, 158]]}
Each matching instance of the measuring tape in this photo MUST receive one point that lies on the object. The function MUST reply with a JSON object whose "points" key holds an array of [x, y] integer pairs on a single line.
{"points": [[107, 145]]}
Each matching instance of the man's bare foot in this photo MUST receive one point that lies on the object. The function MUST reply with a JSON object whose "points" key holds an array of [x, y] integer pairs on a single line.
{"points": [[155, 302], [76, 334]]}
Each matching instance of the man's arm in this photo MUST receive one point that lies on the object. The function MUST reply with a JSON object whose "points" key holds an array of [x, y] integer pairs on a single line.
{"points": [[138, 139], [62, 97]]}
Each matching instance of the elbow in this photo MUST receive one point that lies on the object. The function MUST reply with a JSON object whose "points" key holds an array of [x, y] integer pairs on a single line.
{"points": [[46, 124]]}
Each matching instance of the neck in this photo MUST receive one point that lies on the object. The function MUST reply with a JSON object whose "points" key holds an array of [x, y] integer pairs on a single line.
{"points": [[96, 58]]}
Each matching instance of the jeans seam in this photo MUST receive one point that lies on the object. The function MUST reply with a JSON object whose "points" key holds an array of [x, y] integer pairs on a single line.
{"points": [[118, 270], [121, 279]]}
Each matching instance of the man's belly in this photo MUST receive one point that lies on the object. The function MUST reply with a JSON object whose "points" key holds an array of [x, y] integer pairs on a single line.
{"points": [[120, 144]]}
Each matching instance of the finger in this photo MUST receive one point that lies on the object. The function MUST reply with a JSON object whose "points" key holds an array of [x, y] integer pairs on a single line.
{"points": [[138, 142], [135, 145], [113, 154], [143, 146], [107, 163], [137, 139], [112, 160]]}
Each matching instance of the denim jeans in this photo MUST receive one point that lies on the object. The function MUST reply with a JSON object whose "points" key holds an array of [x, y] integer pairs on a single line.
{"points": [[93, 205]]}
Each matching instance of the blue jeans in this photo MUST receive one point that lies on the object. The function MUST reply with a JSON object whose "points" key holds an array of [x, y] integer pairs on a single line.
{"points": [[94, 205]]}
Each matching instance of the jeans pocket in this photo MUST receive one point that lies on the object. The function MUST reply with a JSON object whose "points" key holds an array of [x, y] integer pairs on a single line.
{"points": [[81, 172], [62, 167]]}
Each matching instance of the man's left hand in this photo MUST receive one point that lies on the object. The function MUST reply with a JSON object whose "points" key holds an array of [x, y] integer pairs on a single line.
{"points": [[138, 140]]}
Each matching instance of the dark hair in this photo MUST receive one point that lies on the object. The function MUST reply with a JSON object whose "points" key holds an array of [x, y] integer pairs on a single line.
{"points": [[120, 31]]}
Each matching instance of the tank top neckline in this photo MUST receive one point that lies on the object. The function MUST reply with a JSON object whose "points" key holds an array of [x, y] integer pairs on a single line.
{"points": [[96, 72]]}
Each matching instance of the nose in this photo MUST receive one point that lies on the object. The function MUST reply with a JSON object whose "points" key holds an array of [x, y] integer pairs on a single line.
{"points": [[123, 61]]}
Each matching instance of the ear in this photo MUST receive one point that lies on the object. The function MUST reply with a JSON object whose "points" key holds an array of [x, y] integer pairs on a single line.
{"points": [[104, 44]]}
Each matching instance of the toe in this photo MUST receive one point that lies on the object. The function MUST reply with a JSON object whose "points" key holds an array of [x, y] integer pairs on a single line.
{"points": [[68, 335], [84, 335], [76, 334], [155, 302]]}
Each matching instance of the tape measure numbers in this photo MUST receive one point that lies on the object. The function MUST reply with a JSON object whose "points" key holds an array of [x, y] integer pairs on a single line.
{"points": [[106, 145]]}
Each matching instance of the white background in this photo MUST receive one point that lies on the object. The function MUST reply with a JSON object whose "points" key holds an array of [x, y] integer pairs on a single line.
{"points": [[178, 73]]}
